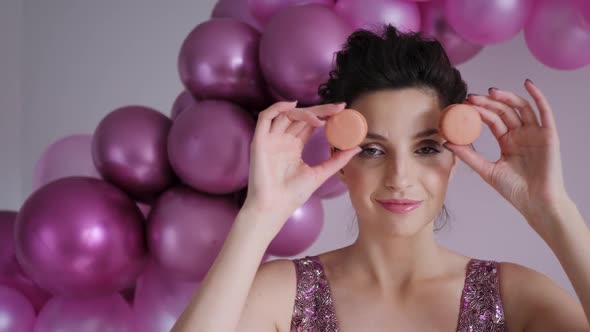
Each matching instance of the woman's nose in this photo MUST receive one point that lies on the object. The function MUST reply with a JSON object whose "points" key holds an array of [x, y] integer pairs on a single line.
{"points": [[398, 174]]}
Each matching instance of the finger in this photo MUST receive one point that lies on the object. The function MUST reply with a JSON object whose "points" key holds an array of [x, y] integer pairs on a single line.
{"points": [[305, 134], [265, 117], [527, 113], [338, 160], [306, 116], [280, 123], [506, 113], [492, 120], [472, 159], [547, 116], [325, 110], [296, 127]]}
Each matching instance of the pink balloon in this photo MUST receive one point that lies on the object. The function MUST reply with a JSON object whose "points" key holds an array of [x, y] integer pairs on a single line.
{"points": [[373, 14], [556, 35], [219, 60], [297, 50], [315, 152], [209, 146], [487, 21], [186, 230], [300, 231], [236, 9], [584, 9], [81, 237], [160, 300], [68, 156], [105, 313], [16, 313], [11, 274], [264, 10], [182, 102], [129, 150], [434, 25]]}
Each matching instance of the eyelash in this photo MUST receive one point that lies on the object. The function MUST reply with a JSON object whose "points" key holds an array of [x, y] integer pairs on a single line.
{"points": [[366, 148]]}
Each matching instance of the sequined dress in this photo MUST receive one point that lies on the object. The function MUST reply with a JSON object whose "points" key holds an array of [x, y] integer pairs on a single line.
{"points": [[481, 305]]}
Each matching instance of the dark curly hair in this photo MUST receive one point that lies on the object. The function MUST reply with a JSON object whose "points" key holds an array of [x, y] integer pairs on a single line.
{"points": [[392, 60]]}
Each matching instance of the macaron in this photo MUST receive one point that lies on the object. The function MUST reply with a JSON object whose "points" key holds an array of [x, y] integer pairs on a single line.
{"points": [[346, 129], [460, 124]]}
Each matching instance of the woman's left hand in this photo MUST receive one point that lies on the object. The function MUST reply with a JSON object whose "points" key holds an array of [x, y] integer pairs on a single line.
{"points": [[529, 172]]}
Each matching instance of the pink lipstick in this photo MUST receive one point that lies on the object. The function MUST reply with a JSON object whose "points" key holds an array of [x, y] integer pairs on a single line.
{"points": [[400, 206]]}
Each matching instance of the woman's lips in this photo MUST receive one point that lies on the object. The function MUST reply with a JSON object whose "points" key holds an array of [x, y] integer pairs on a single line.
{"points": [[401, 206]]}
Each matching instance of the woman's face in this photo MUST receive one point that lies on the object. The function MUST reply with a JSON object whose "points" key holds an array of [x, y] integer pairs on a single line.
{"points": [[402, 158]]}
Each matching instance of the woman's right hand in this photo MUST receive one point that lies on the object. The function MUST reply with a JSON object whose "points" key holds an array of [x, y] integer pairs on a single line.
{"points": [[279, 180]]}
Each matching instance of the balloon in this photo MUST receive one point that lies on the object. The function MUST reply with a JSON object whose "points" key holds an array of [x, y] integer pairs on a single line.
{"points": [[105, 313], [315, 152], [219, 60], [16, 313], [297, 50], [209, 148], [68, 156], [129, 150], [434, 25], [160, 300], [11, 274], [236, 9], [183, 101], [487, 21], [373, 14], [81, 237], [264, 10], [186, 230], [300, 231], [556, 35], [584, 9]]}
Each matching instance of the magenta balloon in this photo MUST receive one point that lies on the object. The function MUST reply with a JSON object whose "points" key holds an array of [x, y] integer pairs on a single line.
{"points": [[68, 156], [236, 9], [105, 313], [297, 50], [264, 10], [434, 25], [373, 14], [182, 102], [129, 150], [584, 8], [315, 152], [300, 231], [16, 312], [81, 237], [487, 21], [12, 276], [219, 60], [160, 300], [186, 230], [556, 35], [209, 146]]}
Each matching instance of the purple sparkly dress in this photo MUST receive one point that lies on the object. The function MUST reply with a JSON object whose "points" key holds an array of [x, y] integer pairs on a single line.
{"points": [[481, 305]]}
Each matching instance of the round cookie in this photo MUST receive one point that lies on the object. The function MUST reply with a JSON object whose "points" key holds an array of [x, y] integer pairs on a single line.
{"points": [[460, 124], [346, 129]]}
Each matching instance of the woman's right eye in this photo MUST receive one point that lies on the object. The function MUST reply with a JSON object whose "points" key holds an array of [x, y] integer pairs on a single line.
{"points": [[371, 151]]}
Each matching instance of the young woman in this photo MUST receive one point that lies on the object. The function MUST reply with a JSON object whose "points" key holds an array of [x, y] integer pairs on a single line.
{"points": [[395, 277]]}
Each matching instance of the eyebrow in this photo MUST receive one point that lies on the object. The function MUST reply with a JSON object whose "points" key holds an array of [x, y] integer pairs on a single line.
{"points": [[421, 134]]}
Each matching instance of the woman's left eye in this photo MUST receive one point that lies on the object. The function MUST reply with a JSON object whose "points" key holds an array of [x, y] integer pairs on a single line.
{"points": [[428, 150]]}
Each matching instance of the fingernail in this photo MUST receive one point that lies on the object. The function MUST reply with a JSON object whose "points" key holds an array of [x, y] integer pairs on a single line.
{"points": [[472, 95], [492, 88], [529, 80]]}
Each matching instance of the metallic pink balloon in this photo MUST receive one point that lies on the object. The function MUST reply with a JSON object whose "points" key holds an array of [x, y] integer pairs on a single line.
{"points": [[16, 312], [219, 60], [487, 21], [315, 152], [236, 9], [264, 10], [297, 50], [186, 230], [373, 14], [129, 150], [209, 146], [160, 299], [81, 237], [434, 25], [557, 36], [300, 231], [105, 313], [11, 274], [584, 9], [182, 102], [68, 156]]}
